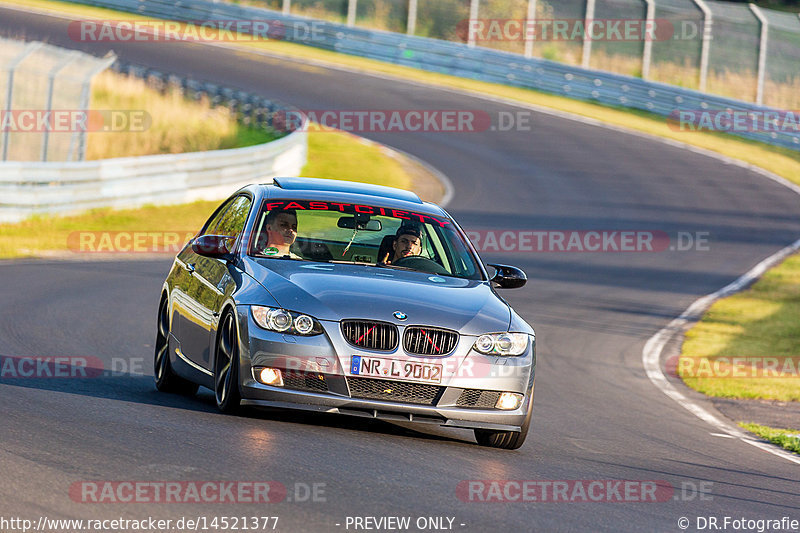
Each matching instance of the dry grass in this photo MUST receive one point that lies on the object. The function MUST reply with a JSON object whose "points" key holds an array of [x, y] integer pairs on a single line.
{"points": [[177, 125]]}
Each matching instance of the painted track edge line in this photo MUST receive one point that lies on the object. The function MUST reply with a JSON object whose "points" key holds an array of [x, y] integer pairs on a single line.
{"points": [[651, 353]]}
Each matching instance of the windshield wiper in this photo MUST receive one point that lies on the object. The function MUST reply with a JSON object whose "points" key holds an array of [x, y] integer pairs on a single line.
{"points": [[344, 262], [381, 265], [387, 265]]}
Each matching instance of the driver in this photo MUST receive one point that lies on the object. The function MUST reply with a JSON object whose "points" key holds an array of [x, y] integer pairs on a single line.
{"points": [[407, 242], [281, 233]]}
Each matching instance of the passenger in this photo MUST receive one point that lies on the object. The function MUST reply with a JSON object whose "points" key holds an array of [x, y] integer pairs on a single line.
{"points": [[281, 233]]}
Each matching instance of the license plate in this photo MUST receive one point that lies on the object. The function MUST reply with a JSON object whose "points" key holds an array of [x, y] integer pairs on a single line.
{"points": [[381, 367]]}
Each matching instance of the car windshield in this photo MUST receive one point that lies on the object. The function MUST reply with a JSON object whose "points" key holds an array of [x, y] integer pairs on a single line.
{"points": [[335, 232]]}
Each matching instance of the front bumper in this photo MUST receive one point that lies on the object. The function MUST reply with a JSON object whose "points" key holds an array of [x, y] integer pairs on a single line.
{"points": [[320, 380]]}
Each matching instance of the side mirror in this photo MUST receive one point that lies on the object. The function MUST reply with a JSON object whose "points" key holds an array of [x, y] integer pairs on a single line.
{"points": [[215, 246], [508, 277]]}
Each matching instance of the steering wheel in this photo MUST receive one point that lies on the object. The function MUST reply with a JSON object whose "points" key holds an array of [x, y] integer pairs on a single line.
{"points": [[423, 264]]}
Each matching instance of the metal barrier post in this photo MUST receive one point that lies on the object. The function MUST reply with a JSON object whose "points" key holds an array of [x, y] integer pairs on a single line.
{"points": [[647, 53], [352, 6], [87, 84], [473, 17], [530, 35], [708, 22], [762, 52], [587, 39], [51, 79], [411, 25]]}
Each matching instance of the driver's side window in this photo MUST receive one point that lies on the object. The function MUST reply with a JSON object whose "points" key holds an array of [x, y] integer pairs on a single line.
{"points": [[211, 223], [230, 220], [233, 221]]}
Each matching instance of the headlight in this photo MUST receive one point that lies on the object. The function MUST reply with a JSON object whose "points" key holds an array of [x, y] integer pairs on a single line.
{"points": [[283, 321], [502, 344], [279, 319], [304, 324]]}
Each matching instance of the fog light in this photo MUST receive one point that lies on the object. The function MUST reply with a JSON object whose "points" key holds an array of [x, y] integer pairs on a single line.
{"points": [[270, 376], [508, 401]]}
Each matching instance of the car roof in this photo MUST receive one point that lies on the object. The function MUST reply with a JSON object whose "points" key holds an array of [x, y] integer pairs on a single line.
{"points": [[352, 187], [349, 191]]}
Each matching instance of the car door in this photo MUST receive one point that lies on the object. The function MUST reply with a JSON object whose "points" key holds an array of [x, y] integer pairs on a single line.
{"points": [[179, 292], [209, 283], [185, 318]]}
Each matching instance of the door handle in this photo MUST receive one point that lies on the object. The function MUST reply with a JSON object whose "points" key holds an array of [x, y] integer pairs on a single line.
{"points": [[190, 267]]}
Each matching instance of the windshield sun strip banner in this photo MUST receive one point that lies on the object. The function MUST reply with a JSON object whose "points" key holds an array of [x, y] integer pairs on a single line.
{"points": [[363, 209]]}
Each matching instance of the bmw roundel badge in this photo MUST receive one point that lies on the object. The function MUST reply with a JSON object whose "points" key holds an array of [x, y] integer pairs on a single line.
{"points": [[399, 315]]}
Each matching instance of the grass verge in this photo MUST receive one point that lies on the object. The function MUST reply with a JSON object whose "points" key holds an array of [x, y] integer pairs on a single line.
{"points": [[50, 235], [788, 439], [342, 155], [748, 345], [781, 161]]}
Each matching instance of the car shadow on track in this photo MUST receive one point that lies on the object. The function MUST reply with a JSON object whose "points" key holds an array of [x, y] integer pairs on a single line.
{"points": [[350, 423], [75, 376], [86, 376]]}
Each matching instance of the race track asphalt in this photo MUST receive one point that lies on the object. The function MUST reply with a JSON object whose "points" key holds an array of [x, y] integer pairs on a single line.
{"points": [[597, 416]]}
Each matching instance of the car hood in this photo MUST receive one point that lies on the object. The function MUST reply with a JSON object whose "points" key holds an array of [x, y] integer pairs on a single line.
{"points": [[336, 292]]}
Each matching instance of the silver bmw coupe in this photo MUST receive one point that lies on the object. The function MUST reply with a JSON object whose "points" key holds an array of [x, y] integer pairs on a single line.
{"points": [[347, 298]]}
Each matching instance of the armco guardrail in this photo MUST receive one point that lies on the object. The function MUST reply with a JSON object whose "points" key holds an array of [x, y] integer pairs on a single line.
{"points": [[28, 188], [33, 188], [476, 63]]}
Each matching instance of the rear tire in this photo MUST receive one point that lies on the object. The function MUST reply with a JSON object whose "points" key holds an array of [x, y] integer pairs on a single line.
{"points": [[506, 440], [226, 366], [165, 378]]}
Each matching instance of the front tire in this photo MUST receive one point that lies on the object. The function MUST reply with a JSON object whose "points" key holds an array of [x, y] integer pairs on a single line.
{"points": [[166, 379], [506, 440], [226, 366]]}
